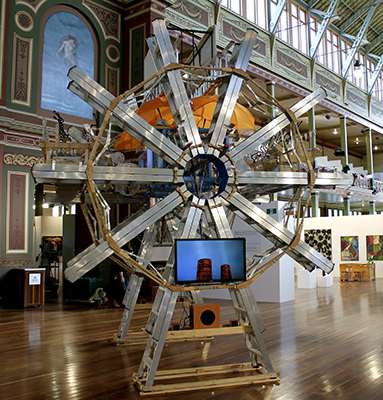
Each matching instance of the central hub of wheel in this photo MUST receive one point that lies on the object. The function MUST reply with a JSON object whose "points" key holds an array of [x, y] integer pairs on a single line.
{"points": [[205, 176]]}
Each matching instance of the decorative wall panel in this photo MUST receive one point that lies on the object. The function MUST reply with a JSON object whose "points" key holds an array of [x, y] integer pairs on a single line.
{"points": [[24, 21], [2, 216], [113, 53], [109, 20], [355, 99], [142, 8], [21, 160], [194, 10], [13, 263], [232, 28], [17, 212], [376, 110], [330, 82], [112, 79], [2, 42], [33, 4], [191, 14], [291, 64], [320, 240], [21, 70], [19, 140], [137, 46]]}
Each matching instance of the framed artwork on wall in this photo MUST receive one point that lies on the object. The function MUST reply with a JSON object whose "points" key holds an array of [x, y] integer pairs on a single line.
{"points": [[320, 240], [349, 247], [375, 247], [67, 42]]}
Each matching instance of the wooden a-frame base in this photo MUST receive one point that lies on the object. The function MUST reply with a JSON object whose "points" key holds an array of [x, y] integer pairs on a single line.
{"points": [[247, 375]]}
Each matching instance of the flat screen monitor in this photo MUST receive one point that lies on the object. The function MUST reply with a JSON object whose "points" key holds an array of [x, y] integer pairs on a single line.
{"points": [[210, 260]]}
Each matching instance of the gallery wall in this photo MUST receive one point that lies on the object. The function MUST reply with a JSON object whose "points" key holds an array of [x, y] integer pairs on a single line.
{"points": [[355, 225]]}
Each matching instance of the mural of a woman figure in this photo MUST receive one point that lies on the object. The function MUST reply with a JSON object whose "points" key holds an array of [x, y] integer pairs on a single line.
{"points": [[68, 41], [68, 50]]}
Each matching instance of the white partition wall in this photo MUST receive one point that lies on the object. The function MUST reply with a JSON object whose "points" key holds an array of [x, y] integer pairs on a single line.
{"points": [[277, 283]]}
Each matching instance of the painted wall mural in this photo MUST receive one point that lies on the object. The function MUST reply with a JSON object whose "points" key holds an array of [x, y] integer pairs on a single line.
{"points": [[67, 42], [320, 240], [349, 246], [375, 247]]}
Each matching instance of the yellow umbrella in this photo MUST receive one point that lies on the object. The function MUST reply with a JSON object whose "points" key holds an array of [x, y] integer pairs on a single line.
{"points": [[155, 109], [203, 108]]}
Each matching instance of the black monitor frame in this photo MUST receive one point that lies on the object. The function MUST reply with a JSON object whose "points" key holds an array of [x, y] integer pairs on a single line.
{"points": [[230, 251]]}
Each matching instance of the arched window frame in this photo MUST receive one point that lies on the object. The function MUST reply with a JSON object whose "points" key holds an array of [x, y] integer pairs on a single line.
{"points": [[51, 11]]}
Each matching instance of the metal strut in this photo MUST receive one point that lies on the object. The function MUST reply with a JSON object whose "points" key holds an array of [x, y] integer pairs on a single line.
{"points": [[129, 302], [135, 282], [157, 327], [247, 311]]}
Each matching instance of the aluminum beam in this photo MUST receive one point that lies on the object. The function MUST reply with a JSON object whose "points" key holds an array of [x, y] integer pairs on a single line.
{"points": [[272, 178], [274, 126], [293, 178], [69, 173], [122, 234], [174, 88], [277, 233], [229, 94], [194, 216], [95, 95], [219, 217]]}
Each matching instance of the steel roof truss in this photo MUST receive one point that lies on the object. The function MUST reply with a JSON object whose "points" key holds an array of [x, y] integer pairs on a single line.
{"points": [[358, 40], [322, 29], [374, 77]]}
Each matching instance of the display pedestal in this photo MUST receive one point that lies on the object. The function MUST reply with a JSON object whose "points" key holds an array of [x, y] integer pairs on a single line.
{"points": [[306, 279], [324, 281], [24, 287]]}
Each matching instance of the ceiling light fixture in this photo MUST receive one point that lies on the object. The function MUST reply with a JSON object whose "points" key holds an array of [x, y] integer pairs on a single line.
{"points": [[357, 141], [376, 147], [335, 131], [358, 70]]}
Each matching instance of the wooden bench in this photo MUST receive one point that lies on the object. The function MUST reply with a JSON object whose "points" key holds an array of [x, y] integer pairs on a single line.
{"points": [[357, 272]]}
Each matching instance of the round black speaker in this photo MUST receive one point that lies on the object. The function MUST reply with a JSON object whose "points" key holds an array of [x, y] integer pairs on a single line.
{"points": [[207, 317]]}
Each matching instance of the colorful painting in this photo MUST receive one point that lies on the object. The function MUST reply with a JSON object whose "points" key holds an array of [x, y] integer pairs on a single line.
{"points": [[67, 42], [375, 247], [320, 240], [349, 246]]}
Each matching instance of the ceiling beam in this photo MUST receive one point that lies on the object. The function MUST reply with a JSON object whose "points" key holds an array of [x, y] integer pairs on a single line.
{"points": [[371, 82], [276, 16], [358, 41], [358, 14], [374, 43], [323, 26]]}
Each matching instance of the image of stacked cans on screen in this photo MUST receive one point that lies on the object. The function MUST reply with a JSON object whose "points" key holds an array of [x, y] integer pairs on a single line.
{"points": [[225, 272], [204, 272]]}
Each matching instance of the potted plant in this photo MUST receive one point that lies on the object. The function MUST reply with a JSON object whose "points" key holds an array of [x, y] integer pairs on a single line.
{"points": [[371, 261]]}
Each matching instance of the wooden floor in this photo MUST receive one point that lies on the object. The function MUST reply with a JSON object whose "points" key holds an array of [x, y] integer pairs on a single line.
{"points": [[328, 344]]}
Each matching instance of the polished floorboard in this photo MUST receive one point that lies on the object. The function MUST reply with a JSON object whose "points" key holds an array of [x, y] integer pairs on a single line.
{"points": [[327, 344]]}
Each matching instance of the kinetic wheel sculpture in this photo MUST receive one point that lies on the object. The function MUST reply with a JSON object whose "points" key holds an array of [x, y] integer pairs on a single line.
{"points": [[201, 183]]}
